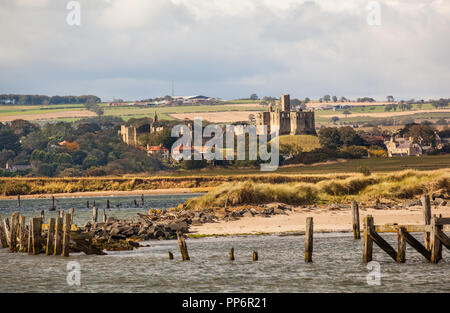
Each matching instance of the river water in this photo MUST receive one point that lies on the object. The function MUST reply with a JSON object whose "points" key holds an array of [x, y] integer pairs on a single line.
{"points": [[337, 265]]}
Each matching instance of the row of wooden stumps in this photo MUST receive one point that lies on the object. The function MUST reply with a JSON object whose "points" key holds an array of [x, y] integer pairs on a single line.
{"points": [[434, 237], [308, 245], [19, 237]]}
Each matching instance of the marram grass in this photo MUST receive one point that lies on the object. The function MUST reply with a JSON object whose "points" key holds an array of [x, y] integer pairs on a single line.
{"points": [[401, 185]]}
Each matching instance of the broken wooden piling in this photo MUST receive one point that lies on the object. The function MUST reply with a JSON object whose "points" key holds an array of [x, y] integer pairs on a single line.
{"points": [[367, 243], [43, 216], [355, 218], [49, 250], [94, 214], [183, 247], [13, 231], [22, 234], [255, 256], [18, 200], [309, 232], [36, 235], [30, 237], [108, 205], [61, 213], [232, 254], [58, 236], [105, 217], [3, 240], [66, 236], [170, 255], [401, 247], [53, 207], [426, 204], [71, 212], [142, 200]]}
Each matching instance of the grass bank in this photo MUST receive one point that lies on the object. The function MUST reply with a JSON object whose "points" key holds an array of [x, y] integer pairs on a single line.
{"points": [[401, 185]]}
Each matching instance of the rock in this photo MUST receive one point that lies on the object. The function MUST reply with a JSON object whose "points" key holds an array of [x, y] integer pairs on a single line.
{"points": [[248, 213], [440, 201], [279, 211], [179, 226]]}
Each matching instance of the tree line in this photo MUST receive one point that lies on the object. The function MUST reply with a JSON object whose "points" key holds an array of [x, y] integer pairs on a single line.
{"points": [[16, 99]]}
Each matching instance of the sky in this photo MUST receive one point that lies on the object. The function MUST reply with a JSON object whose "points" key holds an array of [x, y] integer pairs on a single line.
{"points": [[134, 49]]}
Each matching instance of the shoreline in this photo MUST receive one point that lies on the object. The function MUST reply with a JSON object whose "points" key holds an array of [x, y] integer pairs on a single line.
{"points": [[111, 193]]}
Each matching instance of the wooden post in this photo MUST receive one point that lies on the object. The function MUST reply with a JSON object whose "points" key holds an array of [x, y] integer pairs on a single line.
{"points": [[66, 237], [435, 243], [53, 208], [22, 234], [43, 216], [355, 216], [135, 203], [61, 213], [87, 204], [104, 216], [426, 204], [71, 212], [36, 230], [232, 254], [183, 247], [3, 240], [58, 236], [401, 252], [309, 239], [7, 230], [368, 243], [30, 236], [94, 203], [255, 256], [94, 214], [13, 232], [170, 255], [142, 199], [18, 200], [108, 205], [49, 250]]}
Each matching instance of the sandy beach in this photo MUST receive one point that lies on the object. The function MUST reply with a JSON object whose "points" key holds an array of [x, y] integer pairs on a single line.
{"points": [[325, 220]]}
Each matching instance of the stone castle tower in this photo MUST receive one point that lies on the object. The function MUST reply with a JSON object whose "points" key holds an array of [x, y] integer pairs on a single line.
{"points": [[287, 122]]}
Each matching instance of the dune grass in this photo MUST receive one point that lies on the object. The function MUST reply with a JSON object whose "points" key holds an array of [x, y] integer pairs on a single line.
{"points": [[401, 185]]}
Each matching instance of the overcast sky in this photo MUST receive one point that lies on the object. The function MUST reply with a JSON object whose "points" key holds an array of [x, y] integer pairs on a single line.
{"points": [[133, 49]]}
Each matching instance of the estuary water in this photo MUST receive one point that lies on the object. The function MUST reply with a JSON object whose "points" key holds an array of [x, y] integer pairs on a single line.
{"points": [[337, 263]]}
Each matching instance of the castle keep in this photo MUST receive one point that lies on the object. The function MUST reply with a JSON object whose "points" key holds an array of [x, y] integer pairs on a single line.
{"points": [[287, 122]]}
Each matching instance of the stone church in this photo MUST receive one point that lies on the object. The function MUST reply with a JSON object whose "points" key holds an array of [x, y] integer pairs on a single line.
{"points": [[287, 122]]}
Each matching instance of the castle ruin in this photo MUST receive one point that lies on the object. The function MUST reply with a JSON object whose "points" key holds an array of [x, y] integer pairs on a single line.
{"points": [[130, 133], [287, 122]]}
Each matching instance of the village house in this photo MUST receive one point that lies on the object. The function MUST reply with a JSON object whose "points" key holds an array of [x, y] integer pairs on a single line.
{"points": [[403, 147]]}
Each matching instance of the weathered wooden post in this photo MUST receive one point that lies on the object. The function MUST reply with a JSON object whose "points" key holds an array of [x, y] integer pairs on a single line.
{"points": [[255, 256], [232, 254], [3, 240], [22, 234], [61, 213], [7, 230], [18, 200], [170, 255], [53, 208], [30, 237], [401, 253], [66, 237], [104, 216], [13, 232], [94, 203], [368, 242], [135, 203], [58, 236], [142, 200], [435, 243], [426, 204], [94, 214], [309, 232], [108, 205], [355, 217], [71, 212], [49, 250], [87, 204], [43, 216], [36, 233], [183, 247]]}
